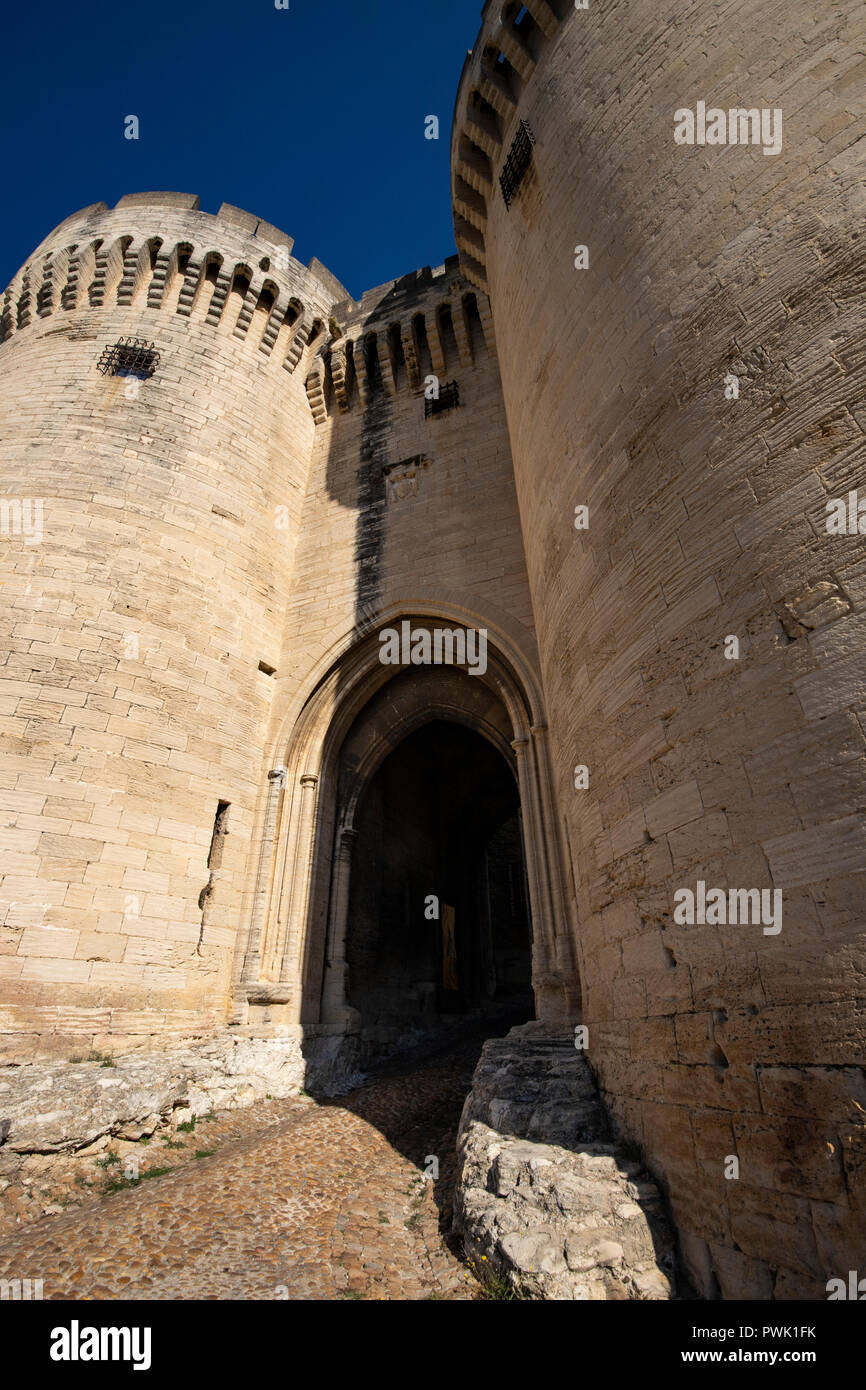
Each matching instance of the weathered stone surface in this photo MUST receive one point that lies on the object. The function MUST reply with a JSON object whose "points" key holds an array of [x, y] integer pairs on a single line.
{"points": [[707, 520], [62, 1105], [563, 1214], [169, 638], [295, 1199]]}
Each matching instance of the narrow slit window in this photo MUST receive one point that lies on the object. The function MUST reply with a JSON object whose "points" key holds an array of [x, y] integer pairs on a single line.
{"points": [[220, 830], [351, 369], [327, 379], [371, 362], [474, 330], [397, 355], [447, 336], [422, 346]]}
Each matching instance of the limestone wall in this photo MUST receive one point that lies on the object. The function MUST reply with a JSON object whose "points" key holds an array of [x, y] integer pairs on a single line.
{"points": [[407, 511], [212, 537], [706, 521], [403, 506], [132, 704]]}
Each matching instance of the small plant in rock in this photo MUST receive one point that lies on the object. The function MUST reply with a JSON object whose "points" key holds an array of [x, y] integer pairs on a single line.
{"points": [[172, 1143], [495, 1288], [108, 1160], [104, 1058], [203, 1153], [120, 1184], [188, 1126], [416, 1192]]}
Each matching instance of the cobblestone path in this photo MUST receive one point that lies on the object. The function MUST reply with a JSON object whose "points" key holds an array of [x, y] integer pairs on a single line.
{"points": [[317, 1200]]}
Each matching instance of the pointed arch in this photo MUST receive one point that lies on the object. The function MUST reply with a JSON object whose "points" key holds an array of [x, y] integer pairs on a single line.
{"points": [[295, 902]]}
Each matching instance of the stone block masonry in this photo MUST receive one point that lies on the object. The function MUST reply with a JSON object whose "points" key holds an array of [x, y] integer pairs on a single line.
{"points": [[547, 1200], [134, 704], [212, 529], [696, 380], [606, 434]]}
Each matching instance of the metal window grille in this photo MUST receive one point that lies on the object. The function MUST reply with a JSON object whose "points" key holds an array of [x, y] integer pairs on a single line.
{"points": [[517, 163], [129, 357], [448, 398]]}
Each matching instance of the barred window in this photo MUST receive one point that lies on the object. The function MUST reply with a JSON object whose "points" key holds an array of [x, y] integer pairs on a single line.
{"points": [[134, 357], [447, 399], [517, 163]]}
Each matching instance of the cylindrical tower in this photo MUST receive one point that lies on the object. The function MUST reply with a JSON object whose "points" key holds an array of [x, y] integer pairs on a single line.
{"points": [[664, 205], [155, 438]]}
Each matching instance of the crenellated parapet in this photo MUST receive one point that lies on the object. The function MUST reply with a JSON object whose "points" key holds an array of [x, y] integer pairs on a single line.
{"points": [[509, 46], [430, 323], [158, 255]]}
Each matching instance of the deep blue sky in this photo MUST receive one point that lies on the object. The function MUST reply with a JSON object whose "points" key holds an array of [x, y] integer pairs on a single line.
{"points": [[311, 117]]}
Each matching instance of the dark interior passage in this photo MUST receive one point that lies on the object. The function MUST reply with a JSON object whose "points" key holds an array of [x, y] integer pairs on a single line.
{"points": [[438, 915]]}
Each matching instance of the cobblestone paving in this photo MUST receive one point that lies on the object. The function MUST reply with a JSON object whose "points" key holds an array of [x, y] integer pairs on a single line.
{"points": [[317, 1200]]}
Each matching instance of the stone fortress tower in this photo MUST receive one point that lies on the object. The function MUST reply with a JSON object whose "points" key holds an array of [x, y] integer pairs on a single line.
{"points": [[141, 710], [707, 520], [222, 478], [210, 552]]}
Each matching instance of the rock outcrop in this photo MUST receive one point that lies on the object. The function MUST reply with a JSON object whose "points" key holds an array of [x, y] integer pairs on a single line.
{"points": [[65, 1106], [546, 1198]]}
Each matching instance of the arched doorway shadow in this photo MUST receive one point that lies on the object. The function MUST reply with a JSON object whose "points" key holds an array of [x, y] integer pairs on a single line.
{"points": [[438, 929]]}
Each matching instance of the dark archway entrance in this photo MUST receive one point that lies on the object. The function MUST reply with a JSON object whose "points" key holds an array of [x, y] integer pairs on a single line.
{"points": [[438, 925], [293, 968]]}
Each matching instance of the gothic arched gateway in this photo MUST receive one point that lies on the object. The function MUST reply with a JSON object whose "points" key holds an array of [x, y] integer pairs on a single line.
{"points": [[318, 902]]}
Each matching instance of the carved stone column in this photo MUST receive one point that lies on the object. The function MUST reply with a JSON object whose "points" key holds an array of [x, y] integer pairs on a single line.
{"points": [[335, 1008], [543, 976], [300, 869], [563, 958], [249, 975]]}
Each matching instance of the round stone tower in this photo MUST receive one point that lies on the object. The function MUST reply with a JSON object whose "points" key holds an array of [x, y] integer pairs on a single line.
{"points": [[665, 208], [156, 436]]}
